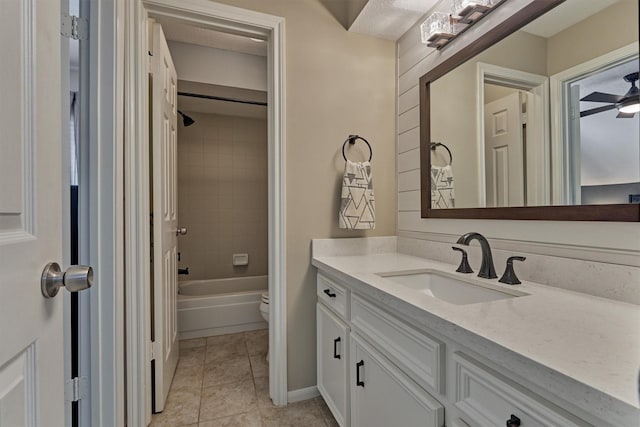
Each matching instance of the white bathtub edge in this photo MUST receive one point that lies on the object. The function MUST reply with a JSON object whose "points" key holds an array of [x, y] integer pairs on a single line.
{"points": [[222, 330]]}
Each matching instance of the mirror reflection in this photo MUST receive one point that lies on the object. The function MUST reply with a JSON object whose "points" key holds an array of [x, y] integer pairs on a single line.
{"points": [[547, 116]]}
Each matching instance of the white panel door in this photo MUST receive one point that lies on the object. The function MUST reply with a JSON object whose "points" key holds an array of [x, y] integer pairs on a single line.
{"points": [[165, 215], [383, 396], [504, 153], [31, 327], [332, 347]]}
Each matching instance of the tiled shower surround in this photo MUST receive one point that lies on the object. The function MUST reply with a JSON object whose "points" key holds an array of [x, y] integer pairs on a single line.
{"points": [[222, 195], [224, 381]]}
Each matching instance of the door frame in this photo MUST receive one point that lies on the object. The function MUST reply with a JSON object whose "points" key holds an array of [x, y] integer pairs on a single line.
{"points": [[561, 144], [100, 217], [536, 84], [217, 16]]}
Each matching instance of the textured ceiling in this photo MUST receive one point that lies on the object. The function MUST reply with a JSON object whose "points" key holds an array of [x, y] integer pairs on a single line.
{"points": [[390, 19], [565, 15], [176, 31]]}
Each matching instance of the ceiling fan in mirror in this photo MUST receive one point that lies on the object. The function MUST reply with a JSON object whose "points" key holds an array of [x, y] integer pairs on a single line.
{"points": [[628, 104]]}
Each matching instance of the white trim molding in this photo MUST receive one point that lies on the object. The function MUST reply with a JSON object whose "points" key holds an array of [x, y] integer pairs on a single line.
{"points": [[207, 14], [101, 221], [538, 86], [303, 394], [560, 134]]}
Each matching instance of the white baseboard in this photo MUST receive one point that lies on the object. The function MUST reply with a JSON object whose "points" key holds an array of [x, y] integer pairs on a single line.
{"points": [[301, 394]]}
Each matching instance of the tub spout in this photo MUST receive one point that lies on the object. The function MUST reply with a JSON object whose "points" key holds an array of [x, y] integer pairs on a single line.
{"points": [[183, 271]]}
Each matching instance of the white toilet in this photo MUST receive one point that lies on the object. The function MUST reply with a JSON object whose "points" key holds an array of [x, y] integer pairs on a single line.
{"points": [[264, 311]]}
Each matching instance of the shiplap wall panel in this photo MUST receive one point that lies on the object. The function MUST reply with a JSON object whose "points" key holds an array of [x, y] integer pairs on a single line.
{"points": [[409, 140], [410, 221], [409, 160], [409, 119], [412, 58], [409, 99], [410, 39], [409, 201], [412, 76], [409, 180]]}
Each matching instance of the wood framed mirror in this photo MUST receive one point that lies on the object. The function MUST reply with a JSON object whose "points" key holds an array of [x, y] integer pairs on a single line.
{"points": [[577, 157]]}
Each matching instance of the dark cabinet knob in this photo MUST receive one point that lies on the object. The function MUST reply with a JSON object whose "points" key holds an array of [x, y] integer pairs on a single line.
{"points": [[329, 293], [513, 421]]}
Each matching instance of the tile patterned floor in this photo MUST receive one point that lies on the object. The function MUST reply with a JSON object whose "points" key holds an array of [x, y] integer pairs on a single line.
{"points": [[223, 382]]}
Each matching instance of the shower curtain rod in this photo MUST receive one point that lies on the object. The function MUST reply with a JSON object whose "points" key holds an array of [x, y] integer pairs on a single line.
{"points": [[221, 98]]}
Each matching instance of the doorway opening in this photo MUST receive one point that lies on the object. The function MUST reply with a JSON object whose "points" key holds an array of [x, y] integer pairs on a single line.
{"points": [[513, 129], [198, 16]]}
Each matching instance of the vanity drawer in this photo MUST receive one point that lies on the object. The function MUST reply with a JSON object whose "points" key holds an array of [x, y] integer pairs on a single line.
{"points": [[332, 295], [489, 399], [417, 354]]}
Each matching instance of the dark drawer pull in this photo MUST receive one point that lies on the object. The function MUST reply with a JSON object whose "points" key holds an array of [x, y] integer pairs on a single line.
{"points": [[329, 293], [513, 421], [335, 348], [358, 366]]}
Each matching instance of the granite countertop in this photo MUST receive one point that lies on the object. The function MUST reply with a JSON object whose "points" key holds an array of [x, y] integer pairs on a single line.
{"points": [[594, 343]]}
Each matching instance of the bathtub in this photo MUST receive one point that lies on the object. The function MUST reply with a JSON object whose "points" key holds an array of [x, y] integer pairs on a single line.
{"points": [[220, 306]]}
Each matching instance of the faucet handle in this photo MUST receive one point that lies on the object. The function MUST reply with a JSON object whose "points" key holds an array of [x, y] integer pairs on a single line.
{"points": [[464, 266], [509, 277]]}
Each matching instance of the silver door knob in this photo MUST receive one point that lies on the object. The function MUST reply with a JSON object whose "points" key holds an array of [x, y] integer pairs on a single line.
{"points": [[76, 278], [181, 231]]}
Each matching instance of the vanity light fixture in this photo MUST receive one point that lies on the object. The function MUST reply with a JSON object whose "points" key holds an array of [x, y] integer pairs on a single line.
{"points": [[469, 11], [437, 30], [440, 28]]}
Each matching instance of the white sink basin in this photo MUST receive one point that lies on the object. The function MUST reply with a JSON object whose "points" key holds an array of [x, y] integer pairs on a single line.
{"points": [[450, 288]]}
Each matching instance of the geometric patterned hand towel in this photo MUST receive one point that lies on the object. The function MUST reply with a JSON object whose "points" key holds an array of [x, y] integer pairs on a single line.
{"points": [[357, 207], [442, 188]]}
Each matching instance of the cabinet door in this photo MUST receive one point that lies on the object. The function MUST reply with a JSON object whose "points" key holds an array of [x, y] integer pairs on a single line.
{"points": [[332, 350], [382, 396]]}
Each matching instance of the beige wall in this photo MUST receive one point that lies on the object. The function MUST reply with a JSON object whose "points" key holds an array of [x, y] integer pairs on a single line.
{"points": [[337, 83], [222, 195], [591, 38]]}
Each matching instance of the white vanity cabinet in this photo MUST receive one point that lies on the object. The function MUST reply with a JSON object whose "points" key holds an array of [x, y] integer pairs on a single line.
{"points": [[383, 396], [391, 396], [332, 356], [376, 368], [489, 399]]}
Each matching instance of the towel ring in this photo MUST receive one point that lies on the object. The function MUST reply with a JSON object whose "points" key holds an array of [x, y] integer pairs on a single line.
{"points": [[352, 140], [435, 145]]}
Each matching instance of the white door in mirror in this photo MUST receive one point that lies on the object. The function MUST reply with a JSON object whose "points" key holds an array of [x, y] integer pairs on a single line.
{"points": [[504, 154]]}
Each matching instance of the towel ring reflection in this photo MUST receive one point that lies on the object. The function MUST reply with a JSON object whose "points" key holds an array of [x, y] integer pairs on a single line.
{"points": [[352, 140], [435, 145]]}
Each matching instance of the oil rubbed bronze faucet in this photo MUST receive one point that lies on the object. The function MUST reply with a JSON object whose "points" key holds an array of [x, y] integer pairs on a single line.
{"points": [[487, 270]]}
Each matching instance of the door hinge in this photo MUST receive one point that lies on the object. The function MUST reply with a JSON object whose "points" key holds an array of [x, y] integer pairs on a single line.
{"points": [[74, 27], [76, 389], [155, 349]]}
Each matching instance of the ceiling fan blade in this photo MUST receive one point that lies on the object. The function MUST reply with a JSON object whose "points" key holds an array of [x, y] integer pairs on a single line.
{"points": [[602, 97], [625, 115], [597, 110]]}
